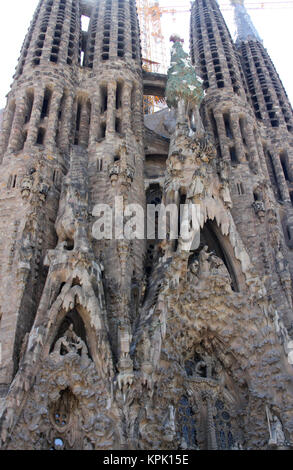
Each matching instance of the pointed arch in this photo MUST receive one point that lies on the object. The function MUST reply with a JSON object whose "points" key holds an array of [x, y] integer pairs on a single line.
{"points": [[212, 236]]}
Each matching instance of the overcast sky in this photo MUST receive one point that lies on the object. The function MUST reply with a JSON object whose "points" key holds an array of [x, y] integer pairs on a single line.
{"points": [[274, 26]]}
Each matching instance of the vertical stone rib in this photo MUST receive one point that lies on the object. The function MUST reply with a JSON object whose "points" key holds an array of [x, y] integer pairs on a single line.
{"points": [[35, 118], [65, 126], [85, 123], [126, 106], [237, 136], [7, 127], [223, 140], [111, 113], [16, 136], [52, 123]]}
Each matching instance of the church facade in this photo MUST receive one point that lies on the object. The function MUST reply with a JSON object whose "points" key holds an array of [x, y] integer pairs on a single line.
{"points": [[153, 341]]}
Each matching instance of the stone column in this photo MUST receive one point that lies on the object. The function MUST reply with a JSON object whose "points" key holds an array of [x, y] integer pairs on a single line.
{"points": [[66, 124], [126, 106], [222, 136], [280, 177], [16, 135], [95, 124], [84, 123], [111, 111], [35, 119], [234, 119], [6, 127], [53, 119]]}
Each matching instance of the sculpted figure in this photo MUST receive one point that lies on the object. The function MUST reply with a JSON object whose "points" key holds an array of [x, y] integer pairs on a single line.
{"points": [[26, 186], [170, 427], [277, 436], [204, 265], [70, 342], [218, 267], [281, 330]]}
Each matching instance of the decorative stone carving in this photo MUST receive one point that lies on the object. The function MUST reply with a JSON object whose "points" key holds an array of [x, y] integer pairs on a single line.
{"points": [[26, 186], [259, 208], [169, 426], [277, 436], [282, 332], [71, 343], [125, 364]]}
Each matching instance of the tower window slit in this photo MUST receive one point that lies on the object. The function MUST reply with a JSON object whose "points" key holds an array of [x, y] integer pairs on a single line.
{"points": [[46, 103], [104, 98], [272, 173], [41, 136], [233, 155], [242, 130], [240, 189], [226, 118], [119, 95], [284, 163], [118, 126], [103, 129], [77, 123], [214, 126]]}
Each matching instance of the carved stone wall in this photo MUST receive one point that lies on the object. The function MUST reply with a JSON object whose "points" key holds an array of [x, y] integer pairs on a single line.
{"points": [[131, 344]]}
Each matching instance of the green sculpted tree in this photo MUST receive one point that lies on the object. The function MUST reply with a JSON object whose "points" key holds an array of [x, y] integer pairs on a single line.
{"points": [[184, 88]]}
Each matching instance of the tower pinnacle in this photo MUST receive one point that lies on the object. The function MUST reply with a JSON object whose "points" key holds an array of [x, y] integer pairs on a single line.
{"points": [[244, 26]]}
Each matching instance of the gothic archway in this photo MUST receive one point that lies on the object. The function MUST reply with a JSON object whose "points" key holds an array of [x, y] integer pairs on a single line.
{"points": [[220, 245]]}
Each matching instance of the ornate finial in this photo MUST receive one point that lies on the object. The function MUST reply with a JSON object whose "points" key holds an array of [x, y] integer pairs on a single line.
{"points": [[174, 38], [183, 84]]}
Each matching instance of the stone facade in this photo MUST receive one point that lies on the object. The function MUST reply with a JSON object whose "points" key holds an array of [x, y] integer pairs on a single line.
{"points": [[134, 343]]}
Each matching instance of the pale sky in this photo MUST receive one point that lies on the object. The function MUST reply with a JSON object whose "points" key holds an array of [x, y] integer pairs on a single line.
{"points": [[274, 26]]}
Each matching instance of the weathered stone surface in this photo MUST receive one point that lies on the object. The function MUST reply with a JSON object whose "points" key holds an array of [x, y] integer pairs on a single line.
{"points": [[144, 344]]}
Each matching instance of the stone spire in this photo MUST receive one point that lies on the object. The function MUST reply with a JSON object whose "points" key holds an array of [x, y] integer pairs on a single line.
{"points": [[244, 27]]}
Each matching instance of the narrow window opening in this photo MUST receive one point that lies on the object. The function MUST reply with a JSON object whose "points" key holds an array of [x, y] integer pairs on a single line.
{"points": [[240, 189], [284, 159], [77, 124], [100, 165], [85, 21], [104, 98], [118, 127], [272, 173], [233, 155], [24, 138], [41, 136], [119, 95], [214, 125], [103, 130], [242, 130], [46, 103], [30, 102], [228, 126], [13, 181]]}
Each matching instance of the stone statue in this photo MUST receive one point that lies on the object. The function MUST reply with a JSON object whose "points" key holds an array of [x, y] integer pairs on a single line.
{"points": [[281, 331], [204, 265], [26, 186], [70, 342], [206, 367], [218, 267], [277, 436], [170, 427]]}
